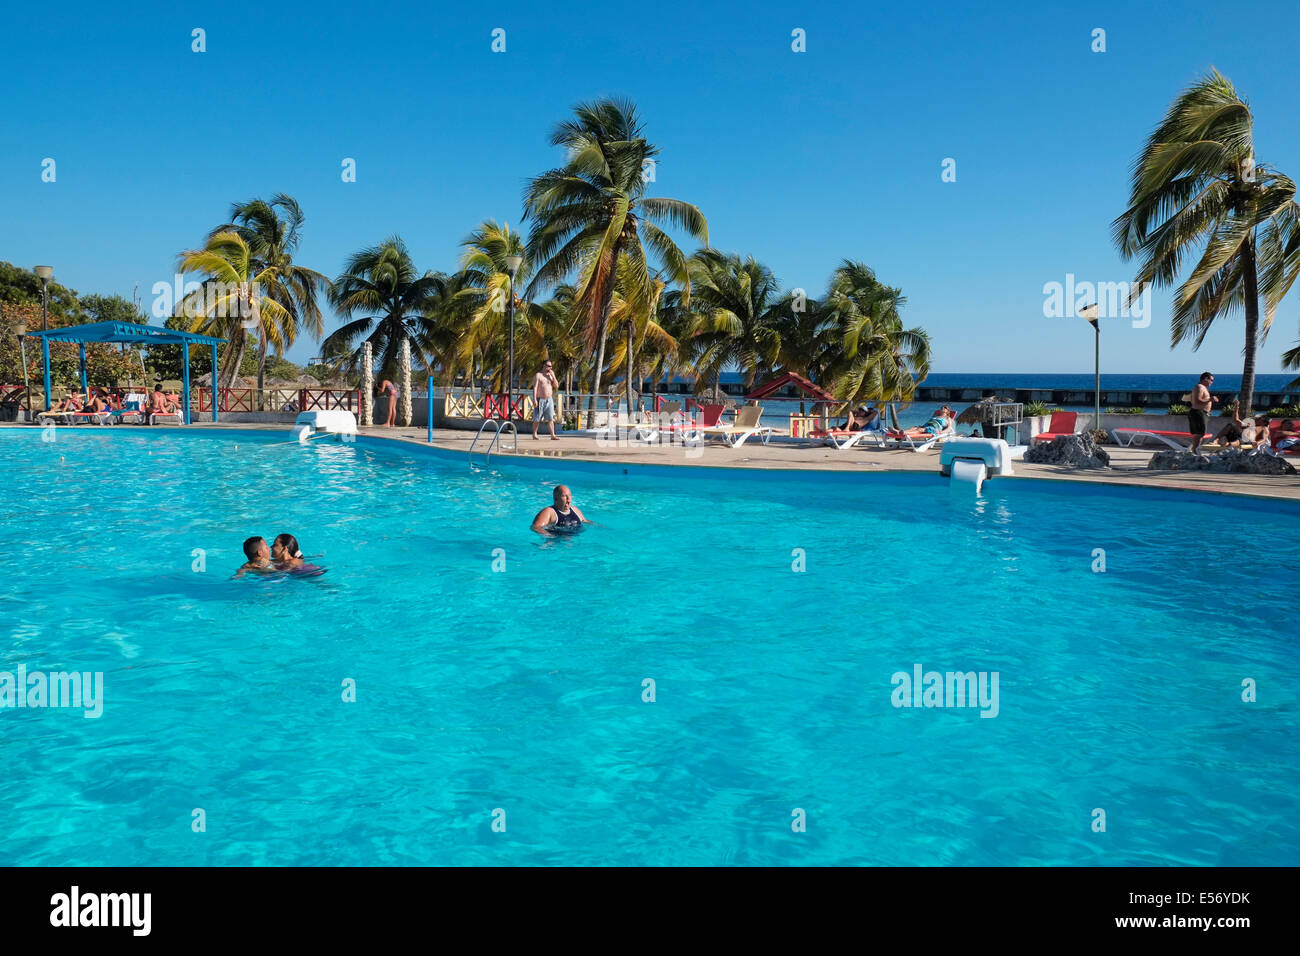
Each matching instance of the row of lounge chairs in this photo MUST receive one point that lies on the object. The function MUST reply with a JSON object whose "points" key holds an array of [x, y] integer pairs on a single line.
{"points": [[1064, 423], [133, 406], [672, 424]]}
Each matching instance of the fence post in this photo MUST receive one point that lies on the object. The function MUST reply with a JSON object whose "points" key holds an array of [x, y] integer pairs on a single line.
{"points": [[430, 390]]}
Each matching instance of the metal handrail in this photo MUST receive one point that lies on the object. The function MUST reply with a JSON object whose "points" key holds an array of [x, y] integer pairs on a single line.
{"points": [[496, 436]]}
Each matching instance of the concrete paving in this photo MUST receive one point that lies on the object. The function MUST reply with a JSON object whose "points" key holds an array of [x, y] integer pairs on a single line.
{"points": [[1128, 465]]}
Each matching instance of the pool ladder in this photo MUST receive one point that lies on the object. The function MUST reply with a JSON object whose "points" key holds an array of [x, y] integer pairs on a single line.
{"points": [[500, 426]]}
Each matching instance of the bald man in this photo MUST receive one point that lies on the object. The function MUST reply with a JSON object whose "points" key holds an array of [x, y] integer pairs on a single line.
{"points": [[561, 517]]}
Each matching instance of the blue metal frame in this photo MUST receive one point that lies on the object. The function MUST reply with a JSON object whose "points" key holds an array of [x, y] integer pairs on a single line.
{"points": [[129, 332], [45, 360]]}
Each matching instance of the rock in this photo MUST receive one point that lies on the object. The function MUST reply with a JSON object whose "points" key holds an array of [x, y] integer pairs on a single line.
{"points": [[1231, 461], [1072, 451]]}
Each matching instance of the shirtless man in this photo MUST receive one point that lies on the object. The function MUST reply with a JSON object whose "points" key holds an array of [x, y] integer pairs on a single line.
{"points": [[1198, 416], [1240, 430], [1287, 436], [561, 515], [258, 555], [544, 385]]}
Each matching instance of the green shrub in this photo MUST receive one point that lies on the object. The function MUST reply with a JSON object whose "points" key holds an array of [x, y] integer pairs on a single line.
{"points": [[1134, 410], [1285, 411], [1177, 409], [1033, 409]]}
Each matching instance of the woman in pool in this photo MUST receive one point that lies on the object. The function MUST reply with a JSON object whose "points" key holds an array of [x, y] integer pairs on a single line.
{"points": [[288, 557], [388, 388], [285, 552]]}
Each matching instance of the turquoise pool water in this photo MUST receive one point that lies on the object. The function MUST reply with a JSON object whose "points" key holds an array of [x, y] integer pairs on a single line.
{"points": [[522, 690]]}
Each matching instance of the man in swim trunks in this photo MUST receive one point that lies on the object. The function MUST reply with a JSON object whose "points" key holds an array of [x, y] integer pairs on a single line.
{"points": [[560, 515], [1198, 416], [544, 385]]}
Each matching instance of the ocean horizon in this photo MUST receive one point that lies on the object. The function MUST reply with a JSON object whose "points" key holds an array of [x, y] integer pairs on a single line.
{"points": [[1077, 381]]}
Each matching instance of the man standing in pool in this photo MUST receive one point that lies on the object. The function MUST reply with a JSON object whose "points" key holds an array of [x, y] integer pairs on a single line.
{"points": [[1198, 416], [544, 385], [560, 518]]}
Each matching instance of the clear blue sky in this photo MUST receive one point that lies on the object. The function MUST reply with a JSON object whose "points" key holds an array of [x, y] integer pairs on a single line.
{"points": [[799, 159]]}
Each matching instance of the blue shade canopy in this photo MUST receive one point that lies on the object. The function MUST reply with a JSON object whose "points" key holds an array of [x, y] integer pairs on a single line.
{"points": [[125, 332]]}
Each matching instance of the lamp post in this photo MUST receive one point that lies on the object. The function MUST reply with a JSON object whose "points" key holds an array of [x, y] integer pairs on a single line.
{"points": [[20, 330], [1091, 314], [512, 263], [45, 273]]}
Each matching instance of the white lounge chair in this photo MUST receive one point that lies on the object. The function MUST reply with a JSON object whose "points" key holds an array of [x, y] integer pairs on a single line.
{"points": [[900, 438], [873, 434], [747, 425], [1124, 437]]}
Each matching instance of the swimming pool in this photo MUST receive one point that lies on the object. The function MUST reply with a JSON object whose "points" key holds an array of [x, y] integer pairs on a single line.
{"points": [[516, 695]]}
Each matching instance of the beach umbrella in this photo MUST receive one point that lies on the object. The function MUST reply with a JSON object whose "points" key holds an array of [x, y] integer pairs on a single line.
{"points": [[981, 411]]}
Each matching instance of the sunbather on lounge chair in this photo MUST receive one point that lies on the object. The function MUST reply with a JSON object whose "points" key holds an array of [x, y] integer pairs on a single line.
{"points": [[1287, 437], [95, 403], [1240, 430], [940, 422]]}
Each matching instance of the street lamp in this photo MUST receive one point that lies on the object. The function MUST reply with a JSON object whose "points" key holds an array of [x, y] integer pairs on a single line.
{"points": [[1091, 314], [20, 330], [512, 263], [45, 273]]}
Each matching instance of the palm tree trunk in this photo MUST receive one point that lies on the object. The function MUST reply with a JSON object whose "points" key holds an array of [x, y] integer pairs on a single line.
{"points": [[602, 331], [627, 367], [234, 358], [1252, 331], [261, 372]]}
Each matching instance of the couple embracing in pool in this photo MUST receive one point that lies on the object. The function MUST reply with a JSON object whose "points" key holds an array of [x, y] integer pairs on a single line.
{"points": [[283, 554]]}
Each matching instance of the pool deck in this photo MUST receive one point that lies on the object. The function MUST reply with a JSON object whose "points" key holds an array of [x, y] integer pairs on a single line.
{"points": [[1128, 465]]}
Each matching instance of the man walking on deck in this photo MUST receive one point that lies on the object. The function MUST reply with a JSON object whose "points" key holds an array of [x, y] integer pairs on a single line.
{"points": [[544, 385], [1198, 416]]}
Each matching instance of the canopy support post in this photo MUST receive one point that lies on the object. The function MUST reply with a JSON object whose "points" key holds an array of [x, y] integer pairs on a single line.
{"points": [[214, 382], [85, 387], [185, 382], [45, 355]]}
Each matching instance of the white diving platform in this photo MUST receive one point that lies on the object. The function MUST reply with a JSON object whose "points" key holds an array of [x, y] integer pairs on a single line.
{"points": [[334, 421]]}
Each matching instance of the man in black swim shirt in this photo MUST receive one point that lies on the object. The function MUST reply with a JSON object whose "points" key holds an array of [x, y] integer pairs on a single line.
{"points": [[562, 515]]}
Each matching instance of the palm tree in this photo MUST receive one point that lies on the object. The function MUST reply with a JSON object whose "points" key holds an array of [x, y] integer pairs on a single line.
{"points": [[271, 231], [482, 299], [810, 340], [1291, 361], [592, 217], [1196, 181], [880, 360], [737, 303], [641, 335], [233, 299], [385, 300]]}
